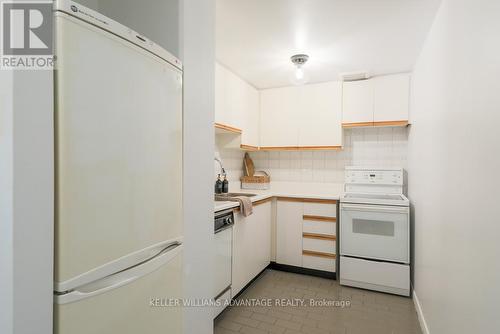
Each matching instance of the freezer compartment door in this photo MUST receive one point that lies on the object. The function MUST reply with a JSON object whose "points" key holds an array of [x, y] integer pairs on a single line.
{"points": [[118, 148], [139, 300]]}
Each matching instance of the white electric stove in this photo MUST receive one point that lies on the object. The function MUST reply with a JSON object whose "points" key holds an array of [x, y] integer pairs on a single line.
{"points": [[375, 230]]}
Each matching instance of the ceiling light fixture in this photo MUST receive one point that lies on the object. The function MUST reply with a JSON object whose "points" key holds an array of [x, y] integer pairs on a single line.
{"points": [[299, 77]]}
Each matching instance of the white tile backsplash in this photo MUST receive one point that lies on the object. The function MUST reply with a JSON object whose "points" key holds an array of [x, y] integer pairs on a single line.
{"points": [[378, 147]]}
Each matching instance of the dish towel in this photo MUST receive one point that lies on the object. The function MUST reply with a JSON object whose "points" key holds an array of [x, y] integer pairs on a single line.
{"points": [[245, 204]]}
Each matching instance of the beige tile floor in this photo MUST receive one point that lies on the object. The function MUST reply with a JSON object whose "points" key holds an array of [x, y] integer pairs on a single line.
{"points": [[369, 312]]}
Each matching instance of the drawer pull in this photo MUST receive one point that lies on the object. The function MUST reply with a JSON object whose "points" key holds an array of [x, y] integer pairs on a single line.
{"points": [[319, 254], [319, 236], [319, 218]]}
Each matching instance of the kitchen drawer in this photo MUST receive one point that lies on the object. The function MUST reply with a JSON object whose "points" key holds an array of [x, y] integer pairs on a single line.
{"points": [[319, 245], [319, 227], [318, 263], [375, 275], [320, 209]]}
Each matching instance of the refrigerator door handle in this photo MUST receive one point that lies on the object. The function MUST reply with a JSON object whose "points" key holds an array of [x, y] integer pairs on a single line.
{"points": [[120, 278], [115, 266]]}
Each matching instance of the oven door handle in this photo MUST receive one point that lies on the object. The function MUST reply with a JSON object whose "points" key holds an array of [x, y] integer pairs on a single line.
{"points": [[372, 208]]}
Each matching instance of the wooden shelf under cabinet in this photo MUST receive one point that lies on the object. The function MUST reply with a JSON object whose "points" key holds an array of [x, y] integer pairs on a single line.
{"points": [[249, 147], [223, 128], [402, 123], [299, 148]]}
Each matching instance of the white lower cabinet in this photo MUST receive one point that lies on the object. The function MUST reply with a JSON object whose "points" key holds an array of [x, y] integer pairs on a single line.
{"points": [[318, 245], [319, 227], [289, 233], [251, 245], [320, 209], [300, 241], [260, 249], [306, 233], [318, 263]]}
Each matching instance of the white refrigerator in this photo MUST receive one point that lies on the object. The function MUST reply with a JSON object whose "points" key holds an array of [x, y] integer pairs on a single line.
{"points": [[118, 157]]}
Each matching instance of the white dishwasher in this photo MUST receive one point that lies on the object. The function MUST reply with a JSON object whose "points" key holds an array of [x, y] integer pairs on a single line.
{"points": [[223, 229]]}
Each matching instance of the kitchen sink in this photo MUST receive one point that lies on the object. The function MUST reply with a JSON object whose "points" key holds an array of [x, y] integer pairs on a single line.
{"points": [[225, 197]]}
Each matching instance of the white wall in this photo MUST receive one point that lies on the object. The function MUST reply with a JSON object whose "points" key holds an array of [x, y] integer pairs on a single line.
{"points": [[155, 19], [198, 54], [454, 161], [26, 202], [92, 4], [6, 203]]}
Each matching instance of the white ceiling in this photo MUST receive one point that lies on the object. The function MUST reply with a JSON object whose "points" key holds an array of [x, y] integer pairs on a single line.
{"points": [[255, 38]]}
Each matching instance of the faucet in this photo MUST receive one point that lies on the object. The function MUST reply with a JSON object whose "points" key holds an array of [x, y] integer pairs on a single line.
{"points": [[221, 166]]}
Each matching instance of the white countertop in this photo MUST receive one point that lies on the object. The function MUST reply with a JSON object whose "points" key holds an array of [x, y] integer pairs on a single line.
{"points": [[286, 189]]}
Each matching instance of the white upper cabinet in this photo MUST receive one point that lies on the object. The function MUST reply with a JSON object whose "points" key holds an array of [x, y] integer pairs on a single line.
{"points": [[357, 103], [320, 115], [381, 100], [279, 117], [251, 117], [228, 98], [302, 116], [234, 94], [220, 95], [391, 97], [237, 105]]}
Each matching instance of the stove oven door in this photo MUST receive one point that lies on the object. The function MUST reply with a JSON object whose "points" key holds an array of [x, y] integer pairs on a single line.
{"points": [[375, 232]]}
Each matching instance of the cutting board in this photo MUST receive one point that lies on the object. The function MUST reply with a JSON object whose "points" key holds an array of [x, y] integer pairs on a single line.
{"points": [[249, 166]]}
